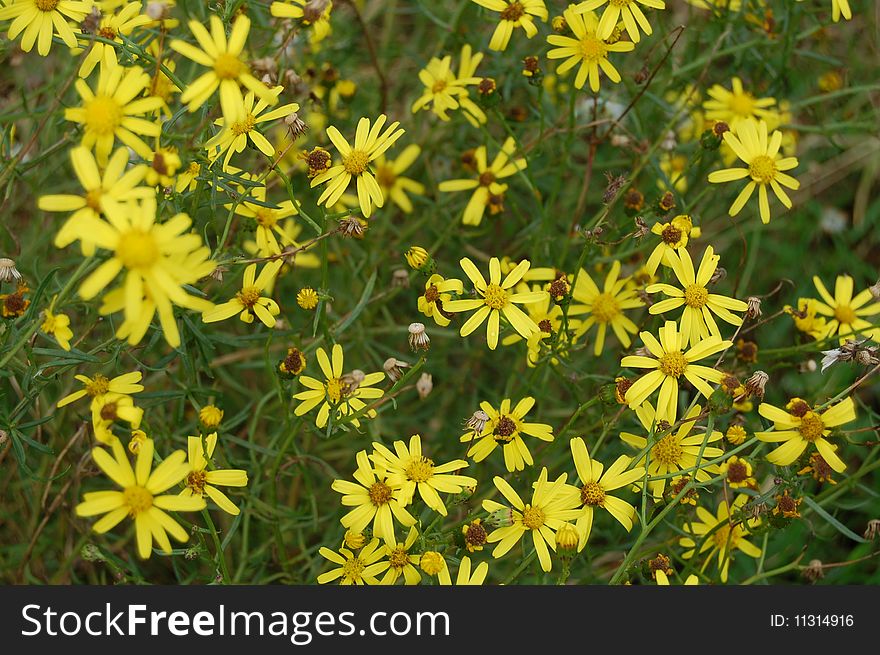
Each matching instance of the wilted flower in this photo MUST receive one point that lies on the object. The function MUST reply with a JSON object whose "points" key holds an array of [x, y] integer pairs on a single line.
{"points": [[425, 385], [392, 368], [8, 271], [418, 337], [477, 421]]}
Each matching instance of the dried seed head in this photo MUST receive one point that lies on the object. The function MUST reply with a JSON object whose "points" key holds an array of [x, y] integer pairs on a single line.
{"points": [[400, 279], [814, 570], [642, 228], [418, 337], [8, 271], [157, 10], [353, 226], [393, 368], [756, 383], [754, 307], [477, 421], [873, 529], [295, 125], [425, 385], [875, 290], [719, 274], [615, 184]]}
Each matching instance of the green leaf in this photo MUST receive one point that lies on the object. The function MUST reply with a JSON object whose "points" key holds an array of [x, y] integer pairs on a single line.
{"points": [[837, 525], [365, 298]]}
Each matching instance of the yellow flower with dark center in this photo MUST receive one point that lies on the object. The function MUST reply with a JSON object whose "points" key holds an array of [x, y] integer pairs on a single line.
{"points": [[250, 302], [719, 535], [669, 361], [110, 408], [99, 386], [58, 325], [805, 317], [369, 144], [596, 485], [228, 72], [445, 91], [437, 294], [400, 563], [485, 185], [354, 568], [497, 297], [141, 497], [587, 48], [605, 308], [675, 451], [513, 14], [798, 426], [374, 500], [343, 394], [626, 10], [737, 473], [505, 427], [201, 482], [111, 27], [764, 169], [409, 470], [846, 313], [694, 296], [39, 20], [674, 235], [549, 509], [114, 111]]}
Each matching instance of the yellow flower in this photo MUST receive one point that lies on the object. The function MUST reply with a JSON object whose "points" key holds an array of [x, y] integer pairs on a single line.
{"points": [[669, 362], [112, 186], [140, 497], [798, 426], [157, 260], [839, 8], [307, 298], [271, 235], [805, 318], [112, 112], [736, 105], [164, 162], [110, 408], [400, 562], [341, 393], [594, 489], [675, 451], [354, 568], [737, 473], [846, 314], [505, 428], [605, 308], [210, 416], [514, 13], [437, 293], [720, 535], [393, 184], [699, 304], [445, 91], [41, 19], [663, 579], [99, 386], [201, 482], [235, 134], [374, 500], [228, 67], [250, 300], [111, 26], [58, 325], [626, 10], [550, 508], [304, 9], [417, 257], [673, 236], [587, 49], [409, 470], [547, 315], [496, 299], [369, 144], [765, 166], [466, 575], [486, 184]]}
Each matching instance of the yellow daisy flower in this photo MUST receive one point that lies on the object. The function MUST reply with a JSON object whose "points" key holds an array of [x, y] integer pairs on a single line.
{"points": [[306, 10], [736, 105], [110, 408], [805, 317], [437, 294], [354, 568], [496, 299], [39, 20], [514, 13], [250, 302], [846, 314], [676, 451], [228, 67], [765, 166], [201, 482], [400, 563], [720, 535], [409, 470], [798, 426], [150, 255], [550, 508], [445, 91], [111, 26], [673, 236], [594, 490], [99, 386], [271, 234], [141, 496], [112, 186], [699, 304], [58, 325], [369, 144], [505, 428], [669, 362], [587, 49], [393, 184], [341, 393], [605, 308], [466, 574], [626, 10], [486, 183], [112, 112], [374, 500]]}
